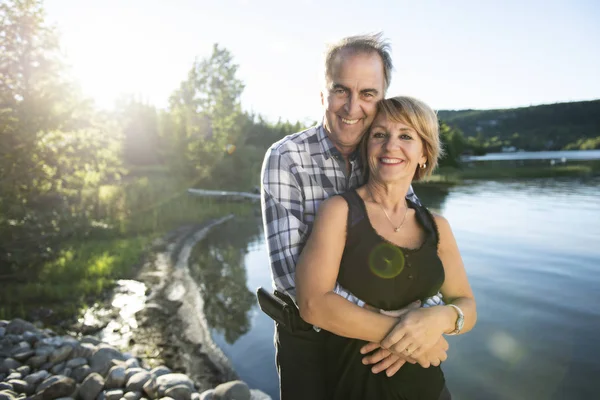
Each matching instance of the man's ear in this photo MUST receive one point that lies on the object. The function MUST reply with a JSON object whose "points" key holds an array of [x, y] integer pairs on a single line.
{"points": [[322, 99]]}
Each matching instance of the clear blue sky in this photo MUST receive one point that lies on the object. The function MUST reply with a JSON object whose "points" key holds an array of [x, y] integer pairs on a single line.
{"points": [[451, 54]]}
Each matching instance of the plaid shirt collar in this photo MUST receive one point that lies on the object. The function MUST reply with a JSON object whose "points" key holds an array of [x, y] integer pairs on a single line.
{"points": [[328, 148]]}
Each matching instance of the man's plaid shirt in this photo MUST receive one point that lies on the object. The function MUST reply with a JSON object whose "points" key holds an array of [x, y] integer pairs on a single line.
{"points": [[298, 173]]}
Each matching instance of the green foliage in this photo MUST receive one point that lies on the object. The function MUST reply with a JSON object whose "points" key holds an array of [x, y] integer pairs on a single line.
{"points": [[52, 145], [204, 115], [545, 127]]}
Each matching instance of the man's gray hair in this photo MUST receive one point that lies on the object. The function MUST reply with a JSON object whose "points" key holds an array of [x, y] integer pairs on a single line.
{"points": [[362, 44]]}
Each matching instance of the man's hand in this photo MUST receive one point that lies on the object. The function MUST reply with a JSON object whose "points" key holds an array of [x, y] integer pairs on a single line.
{"points": [[391, 363]]}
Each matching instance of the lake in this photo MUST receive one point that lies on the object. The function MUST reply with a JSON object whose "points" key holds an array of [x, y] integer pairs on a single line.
{"points": [[532, 253]]}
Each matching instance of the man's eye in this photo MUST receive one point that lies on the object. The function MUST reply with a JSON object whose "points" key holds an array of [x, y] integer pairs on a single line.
{"points": [[339, 91]]}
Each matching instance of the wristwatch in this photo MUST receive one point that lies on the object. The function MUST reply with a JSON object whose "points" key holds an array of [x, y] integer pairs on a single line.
{"points": [[460, 320]]}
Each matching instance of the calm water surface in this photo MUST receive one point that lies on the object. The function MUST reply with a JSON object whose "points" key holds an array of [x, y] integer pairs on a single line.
{"points": [[532, 252]]}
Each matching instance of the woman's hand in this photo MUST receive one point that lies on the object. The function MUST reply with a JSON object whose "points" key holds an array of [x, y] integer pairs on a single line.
{"points": [[419, 330]]}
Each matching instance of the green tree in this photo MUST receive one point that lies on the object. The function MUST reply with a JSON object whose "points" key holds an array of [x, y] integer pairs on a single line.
{"points": [[52, 146], [204, 115]]}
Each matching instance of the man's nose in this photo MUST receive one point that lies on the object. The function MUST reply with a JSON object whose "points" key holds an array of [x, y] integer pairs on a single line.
{"points": [[352, 105]]}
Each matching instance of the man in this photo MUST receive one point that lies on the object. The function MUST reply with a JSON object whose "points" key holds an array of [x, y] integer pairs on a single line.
{"points": [[301, 171]]}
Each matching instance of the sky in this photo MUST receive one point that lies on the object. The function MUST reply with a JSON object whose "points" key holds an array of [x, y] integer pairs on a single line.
{"points": [[451, 54]]}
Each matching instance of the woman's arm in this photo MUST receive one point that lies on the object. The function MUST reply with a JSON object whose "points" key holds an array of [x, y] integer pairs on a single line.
{"points": [[420, 329], [456, 288], [316, 274]]}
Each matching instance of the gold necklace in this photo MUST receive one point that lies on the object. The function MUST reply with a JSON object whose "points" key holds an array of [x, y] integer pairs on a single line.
{"points": [[396, 228]]}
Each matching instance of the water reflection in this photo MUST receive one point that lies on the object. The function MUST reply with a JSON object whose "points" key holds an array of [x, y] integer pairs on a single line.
{"points": [[216, 264]]}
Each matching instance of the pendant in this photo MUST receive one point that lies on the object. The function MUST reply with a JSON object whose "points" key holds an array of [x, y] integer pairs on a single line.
{"points": [[396, 229]]}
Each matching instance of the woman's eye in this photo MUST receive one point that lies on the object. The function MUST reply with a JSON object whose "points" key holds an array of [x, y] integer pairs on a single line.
{"points": [[405, 137], [379, 135]]}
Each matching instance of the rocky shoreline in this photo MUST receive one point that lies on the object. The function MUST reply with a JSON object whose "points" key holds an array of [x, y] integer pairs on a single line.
{"points": [[160, 349]]}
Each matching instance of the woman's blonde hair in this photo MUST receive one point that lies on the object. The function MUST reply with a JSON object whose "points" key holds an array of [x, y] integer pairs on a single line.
{"points": [[419, 116]]}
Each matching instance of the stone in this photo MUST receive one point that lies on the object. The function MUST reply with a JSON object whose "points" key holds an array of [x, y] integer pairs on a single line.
{"points": [[2, 331], [234, 390], [37, 377], [169, 380], [195, 396], [101, 361], [132, 371], [24, 370], [53, 341], [132, 363], [76, 362], [101, 395], [9, 364], [160, 371], [47, 366], [84, 350], [22, 345], [31, 337], [137, 381], [61, 354], [44, 351], [23, 354], [207, 395], [90, 340], [36, 362], [58, 368], [56, 386], [91, 386], [80, 373], [256, 394], [115, 378], [6, 386], [8, 395], [18, 326], [20, 386], [179, 392], [132, 396], [14, 375], [67, 372], [114, 394], [151, 387]]}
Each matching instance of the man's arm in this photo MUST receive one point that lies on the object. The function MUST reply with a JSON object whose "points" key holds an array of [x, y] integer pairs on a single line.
{"points": [[283, 210]]}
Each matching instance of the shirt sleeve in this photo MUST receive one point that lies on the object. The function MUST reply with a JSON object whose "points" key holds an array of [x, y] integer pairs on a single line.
{"points": [[283, 211]]}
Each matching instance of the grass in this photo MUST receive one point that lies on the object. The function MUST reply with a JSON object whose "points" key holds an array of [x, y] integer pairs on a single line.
{"points": [[127, 218]]}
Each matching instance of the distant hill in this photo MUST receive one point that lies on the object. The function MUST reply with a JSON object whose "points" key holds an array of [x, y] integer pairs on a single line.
{"points": [[544, 127]]}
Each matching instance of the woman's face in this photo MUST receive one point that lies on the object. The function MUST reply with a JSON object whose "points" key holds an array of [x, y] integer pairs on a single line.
{"points": [[394, 150]]}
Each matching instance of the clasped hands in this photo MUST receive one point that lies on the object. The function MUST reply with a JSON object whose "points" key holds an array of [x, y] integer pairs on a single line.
{"points": [[417, 338]]}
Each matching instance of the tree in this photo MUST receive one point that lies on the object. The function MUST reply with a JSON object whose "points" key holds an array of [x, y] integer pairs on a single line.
{"points": [[52, 146], [204, 114]]}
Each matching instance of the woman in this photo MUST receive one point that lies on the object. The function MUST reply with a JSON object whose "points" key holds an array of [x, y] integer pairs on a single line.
{"points": [[389, 252]]}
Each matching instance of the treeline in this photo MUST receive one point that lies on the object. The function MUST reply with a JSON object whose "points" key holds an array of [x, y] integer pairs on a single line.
{"points": [[561, 126], [69, 172]]}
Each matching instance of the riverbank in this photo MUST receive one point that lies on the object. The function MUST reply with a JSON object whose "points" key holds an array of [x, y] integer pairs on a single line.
{"points": [[157, 318]]}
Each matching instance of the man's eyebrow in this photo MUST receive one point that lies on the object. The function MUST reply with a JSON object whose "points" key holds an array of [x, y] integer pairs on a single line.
{"points": [[338, 86], [373, 91]]}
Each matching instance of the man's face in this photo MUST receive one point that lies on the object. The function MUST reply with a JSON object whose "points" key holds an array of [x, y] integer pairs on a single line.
{"points": [[355, 85]]}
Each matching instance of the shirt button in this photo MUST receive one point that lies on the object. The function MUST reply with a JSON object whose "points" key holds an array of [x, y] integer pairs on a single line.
{"points": [[410, 277]]}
